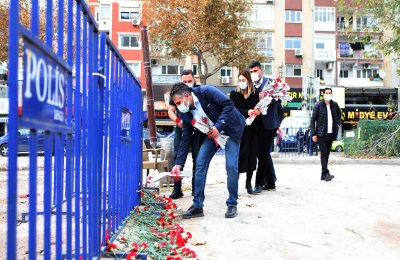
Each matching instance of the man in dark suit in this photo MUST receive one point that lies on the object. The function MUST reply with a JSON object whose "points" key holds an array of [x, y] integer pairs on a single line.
{"points": [[209, 104], [324, 126], [269, 123]]}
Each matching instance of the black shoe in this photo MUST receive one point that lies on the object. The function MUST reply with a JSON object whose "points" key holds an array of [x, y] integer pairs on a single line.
{"points": [[269, 187], [257, 190], [327, 177], [231, 212], [193, 212], [249, 188], [176, 194]]}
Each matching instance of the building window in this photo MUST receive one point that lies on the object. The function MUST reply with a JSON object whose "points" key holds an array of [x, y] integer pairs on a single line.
{"points": [[129, 41], [292, 16], [292, 43], [367, 73], [325, 41], [319, 74], [135, 67], [344, 74], [293, 70], [267, 68], [366, 22], [195, 70], [105, 11], [324, 14], [171, 70], [226, 71], [263, 41], [262, 16], [129, 13]]}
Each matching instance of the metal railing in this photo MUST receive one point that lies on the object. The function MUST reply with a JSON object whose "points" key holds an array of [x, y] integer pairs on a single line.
{"points": [[93, 128]]}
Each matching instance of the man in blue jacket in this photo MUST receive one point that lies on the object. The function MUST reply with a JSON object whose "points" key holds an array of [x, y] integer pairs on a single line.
{"points": [[209, 104]]}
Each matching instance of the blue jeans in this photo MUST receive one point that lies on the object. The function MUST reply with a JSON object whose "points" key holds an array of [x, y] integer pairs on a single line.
{"points": [[206, 153]]}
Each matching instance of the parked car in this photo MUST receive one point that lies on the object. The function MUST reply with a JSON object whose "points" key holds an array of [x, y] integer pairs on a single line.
{"points": [[338, 145], [22, 141]]}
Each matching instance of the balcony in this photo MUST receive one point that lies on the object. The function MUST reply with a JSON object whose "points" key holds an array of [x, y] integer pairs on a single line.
{"points": [[327, 81], [166, 79], [267, 52], [349, 53], [266, 25], [360, 82]]}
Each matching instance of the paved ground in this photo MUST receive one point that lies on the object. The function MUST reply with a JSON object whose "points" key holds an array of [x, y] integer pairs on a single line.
{"points": [[356, 216]]}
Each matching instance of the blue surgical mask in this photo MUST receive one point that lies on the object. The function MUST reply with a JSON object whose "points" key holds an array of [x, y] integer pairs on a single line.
{"points": [[189, 85], [183, 108]]}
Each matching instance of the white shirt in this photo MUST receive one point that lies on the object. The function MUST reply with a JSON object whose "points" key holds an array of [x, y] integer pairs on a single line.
{"points": [[199, 113], [330, 120]]}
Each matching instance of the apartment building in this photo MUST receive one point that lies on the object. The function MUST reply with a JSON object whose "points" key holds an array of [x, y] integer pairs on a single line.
{"points": [[121, 19]]}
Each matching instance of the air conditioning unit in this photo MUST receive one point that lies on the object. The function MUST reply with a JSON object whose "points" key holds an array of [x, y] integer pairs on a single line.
{"points": [[155, 62], [224, 80], [366, 66], [329, 66], [136, 21], [271, 2], [298, 52]]}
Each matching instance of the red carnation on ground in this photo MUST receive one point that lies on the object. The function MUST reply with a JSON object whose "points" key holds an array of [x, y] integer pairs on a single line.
{"points": [[131, 256], [111, 247], [143, 246], [135, 247], [180, 242]]}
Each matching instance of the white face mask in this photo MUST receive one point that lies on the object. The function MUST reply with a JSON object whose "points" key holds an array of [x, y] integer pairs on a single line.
{"points": [[189, 85], [255, 77], [328, 97], [243, 85], [183, 108]]}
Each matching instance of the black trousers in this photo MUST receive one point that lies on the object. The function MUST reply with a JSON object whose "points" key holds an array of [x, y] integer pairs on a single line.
{"points": [[265, 170], [325, 144]]}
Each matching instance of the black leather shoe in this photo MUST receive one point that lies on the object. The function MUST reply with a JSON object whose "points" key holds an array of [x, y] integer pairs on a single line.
{"points": [[231, 212], [193, 212], [257, 190], [249, 188], [327, 177], [268, 187], [176, 194]]}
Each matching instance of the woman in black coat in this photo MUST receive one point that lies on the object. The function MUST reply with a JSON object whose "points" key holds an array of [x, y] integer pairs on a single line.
{"points": [[245, 98]]}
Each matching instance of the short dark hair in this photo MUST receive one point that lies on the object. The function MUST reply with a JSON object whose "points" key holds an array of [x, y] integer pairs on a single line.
{"points": [[325, 89], [187, 72], [179, 88], [254, 63]]}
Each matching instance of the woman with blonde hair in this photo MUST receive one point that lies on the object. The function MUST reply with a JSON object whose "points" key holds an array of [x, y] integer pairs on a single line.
{"points": [[245, 99]]}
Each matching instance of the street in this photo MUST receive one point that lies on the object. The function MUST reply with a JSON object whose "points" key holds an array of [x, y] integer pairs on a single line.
{"points": [[356, 216]]}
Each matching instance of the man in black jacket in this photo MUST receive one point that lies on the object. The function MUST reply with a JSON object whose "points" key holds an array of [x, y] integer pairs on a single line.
{"points": [[324, 127], [267, 126]]}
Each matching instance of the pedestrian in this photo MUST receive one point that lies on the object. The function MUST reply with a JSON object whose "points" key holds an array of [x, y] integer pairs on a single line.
{"points": [[187, 78], [245, 99], [268, 125], [214, 108], [324, 125], [300, 140]]}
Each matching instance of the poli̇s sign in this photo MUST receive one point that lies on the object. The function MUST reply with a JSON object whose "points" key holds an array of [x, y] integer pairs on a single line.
{"points": [[44, 87]]}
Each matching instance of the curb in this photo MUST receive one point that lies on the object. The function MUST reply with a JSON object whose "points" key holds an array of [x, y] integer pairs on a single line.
{"points": [[337, 161]]}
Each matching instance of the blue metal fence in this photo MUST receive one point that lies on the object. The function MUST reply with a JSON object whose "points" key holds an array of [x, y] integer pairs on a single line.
{"points": [[89, 103]]}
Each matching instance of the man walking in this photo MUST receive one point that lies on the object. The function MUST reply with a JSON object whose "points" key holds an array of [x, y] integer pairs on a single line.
{"points": [[269, 123], [212, 106], [300, 140], [324, 125], [187, 78]]}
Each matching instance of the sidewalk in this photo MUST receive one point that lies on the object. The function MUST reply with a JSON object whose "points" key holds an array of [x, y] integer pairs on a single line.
{"points": [[356, 216]]}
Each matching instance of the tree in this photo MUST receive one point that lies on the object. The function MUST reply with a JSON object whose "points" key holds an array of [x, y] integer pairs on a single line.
{"points": [[209, 29], [387, 13]]}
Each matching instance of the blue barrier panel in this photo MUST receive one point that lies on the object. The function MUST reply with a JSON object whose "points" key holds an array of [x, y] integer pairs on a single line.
{"points": [[81, 97]]}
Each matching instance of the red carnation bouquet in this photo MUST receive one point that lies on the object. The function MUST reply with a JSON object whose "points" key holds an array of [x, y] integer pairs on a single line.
{"points": [[205, 126], [275, 88]]}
